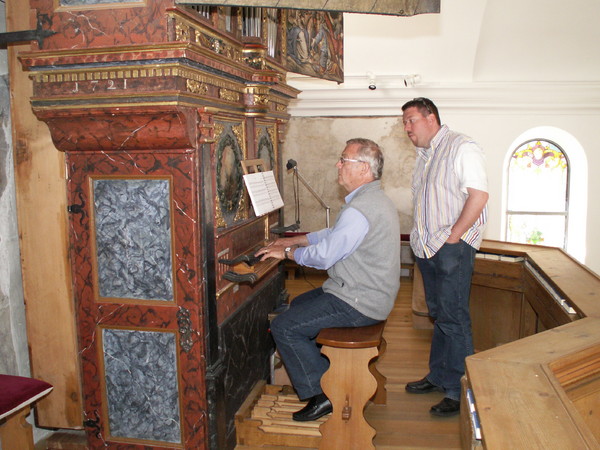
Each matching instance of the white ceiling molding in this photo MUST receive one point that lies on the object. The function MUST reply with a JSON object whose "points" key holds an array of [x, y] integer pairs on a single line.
{"points": [[354, 97]]}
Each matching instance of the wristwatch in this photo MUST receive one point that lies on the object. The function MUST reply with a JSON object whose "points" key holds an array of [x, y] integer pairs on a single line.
{"points": [[285, 252]]}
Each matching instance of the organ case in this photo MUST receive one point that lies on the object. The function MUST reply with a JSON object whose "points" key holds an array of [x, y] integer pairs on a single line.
{"points": [[156, 106]]}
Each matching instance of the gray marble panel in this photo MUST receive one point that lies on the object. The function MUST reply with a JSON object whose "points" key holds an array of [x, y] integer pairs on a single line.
{"points": [[133, 238], [140, 370]]}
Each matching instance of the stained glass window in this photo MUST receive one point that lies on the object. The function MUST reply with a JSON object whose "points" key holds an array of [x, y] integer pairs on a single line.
{"points": [[538, 194]]}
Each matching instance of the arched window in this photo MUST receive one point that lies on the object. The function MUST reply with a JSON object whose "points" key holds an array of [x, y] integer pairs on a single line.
{"points": [[538, 194], [545, 191]]}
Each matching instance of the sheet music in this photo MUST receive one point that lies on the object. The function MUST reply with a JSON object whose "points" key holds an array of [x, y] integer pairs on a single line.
{"points": [[263, 191]]}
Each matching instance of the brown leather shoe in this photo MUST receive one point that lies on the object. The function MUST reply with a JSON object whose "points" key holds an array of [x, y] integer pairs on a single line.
{"points": [[447, 407], [422, 387]]}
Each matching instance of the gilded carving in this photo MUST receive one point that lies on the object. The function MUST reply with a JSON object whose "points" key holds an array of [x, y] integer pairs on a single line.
{"points": [[260, 94], [202, 39], [271, 131], [196, 87], [220, 222], [238, 130], [261, 99], [185, 30], [256, 62], [229, 95], [219, 127], [182, 32], [255, 59]]}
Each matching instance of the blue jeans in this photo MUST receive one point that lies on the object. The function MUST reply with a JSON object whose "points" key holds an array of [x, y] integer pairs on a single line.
{"points": [[447, 283], [296, 329]]}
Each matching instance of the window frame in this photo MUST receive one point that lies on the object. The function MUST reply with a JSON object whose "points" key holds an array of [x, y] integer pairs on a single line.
{"points": [[565, 213], [578, 186]]}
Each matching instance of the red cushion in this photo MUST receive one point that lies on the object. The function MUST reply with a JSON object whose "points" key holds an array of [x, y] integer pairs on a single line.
{"points": [[18, 392]]}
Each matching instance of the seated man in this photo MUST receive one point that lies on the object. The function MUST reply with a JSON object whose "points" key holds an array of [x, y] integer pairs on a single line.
{"points": [[362, 256]]}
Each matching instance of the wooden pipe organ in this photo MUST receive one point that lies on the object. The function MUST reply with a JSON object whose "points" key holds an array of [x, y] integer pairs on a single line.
{"points": [[155, 106]]}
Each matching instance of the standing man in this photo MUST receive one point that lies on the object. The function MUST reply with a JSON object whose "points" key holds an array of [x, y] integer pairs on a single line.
{"points": [[450, 196], [362, 256]]}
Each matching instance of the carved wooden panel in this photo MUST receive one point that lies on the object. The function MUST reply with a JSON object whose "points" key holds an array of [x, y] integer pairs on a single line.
{"points": [[155, 315]]}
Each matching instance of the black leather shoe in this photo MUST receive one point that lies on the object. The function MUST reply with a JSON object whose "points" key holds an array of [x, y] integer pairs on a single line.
{"points": [[447, 407], [317, 406], [422, 387]]}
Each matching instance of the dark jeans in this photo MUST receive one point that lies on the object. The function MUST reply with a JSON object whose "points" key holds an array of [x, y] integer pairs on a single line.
{"points": [[296, 329], [447, 283]]}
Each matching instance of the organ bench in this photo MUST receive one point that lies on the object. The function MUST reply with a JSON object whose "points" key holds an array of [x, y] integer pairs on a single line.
{"points": [[349, 383]]}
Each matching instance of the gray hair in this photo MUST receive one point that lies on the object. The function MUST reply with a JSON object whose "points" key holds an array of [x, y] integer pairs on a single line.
{"points": [[369, 152]]}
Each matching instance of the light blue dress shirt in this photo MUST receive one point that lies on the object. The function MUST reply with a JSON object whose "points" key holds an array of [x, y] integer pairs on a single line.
{"points": [[331, 245]]}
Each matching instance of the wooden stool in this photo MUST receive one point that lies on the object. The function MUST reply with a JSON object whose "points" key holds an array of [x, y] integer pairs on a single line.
{"points": [[16, 396], [349, 383]]}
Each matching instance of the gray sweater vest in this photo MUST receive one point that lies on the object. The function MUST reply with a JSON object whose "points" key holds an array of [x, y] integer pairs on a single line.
{"points": [[369, 278]]}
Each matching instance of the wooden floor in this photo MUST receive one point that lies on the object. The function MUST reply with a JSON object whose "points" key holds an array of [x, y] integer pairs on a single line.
{"points": [[404, 422]]}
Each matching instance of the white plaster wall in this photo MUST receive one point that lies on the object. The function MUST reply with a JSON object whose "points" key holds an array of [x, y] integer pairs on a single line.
{"points": [[439, 47], [540, 40], [316, 144]]}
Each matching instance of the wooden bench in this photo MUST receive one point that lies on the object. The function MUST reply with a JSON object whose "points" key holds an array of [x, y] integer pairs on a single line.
{"points": [[352, 379], [16, 396]]}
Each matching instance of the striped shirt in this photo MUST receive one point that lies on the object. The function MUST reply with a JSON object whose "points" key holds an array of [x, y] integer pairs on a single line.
{"points": [[443, 172]]}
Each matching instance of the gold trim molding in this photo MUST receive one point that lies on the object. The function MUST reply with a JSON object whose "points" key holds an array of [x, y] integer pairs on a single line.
{"points": [[133, 72]]}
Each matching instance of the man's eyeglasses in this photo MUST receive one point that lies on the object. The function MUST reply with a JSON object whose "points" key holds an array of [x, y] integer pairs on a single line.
{"points": [[344, 160], [425, 102]]}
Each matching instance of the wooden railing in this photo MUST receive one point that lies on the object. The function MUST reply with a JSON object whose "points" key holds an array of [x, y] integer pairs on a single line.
{"points": [[536, 384]]}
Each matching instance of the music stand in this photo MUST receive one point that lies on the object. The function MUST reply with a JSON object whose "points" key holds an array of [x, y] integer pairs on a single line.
{"points": [[293, 165]]}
